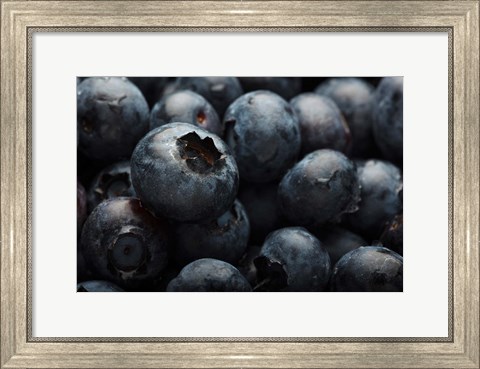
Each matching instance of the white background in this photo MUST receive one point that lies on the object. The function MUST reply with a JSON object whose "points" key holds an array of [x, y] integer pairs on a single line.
{"points": [[419, 311]]}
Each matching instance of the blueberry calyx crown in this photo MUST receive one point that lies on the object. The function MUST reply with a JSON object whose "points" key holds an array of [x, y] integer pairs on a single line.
{"points": [[270, 274], [201, 155], [128, 252]]}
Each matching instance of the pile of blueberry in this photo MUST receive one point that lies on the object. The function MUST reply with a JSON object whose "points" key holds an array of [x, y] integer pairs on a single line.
{"points": [[240, 184]]}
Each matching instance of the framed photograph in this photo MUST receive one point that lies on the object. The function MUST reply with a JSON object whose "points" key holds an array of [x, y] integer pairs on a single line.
{"points": [[152, 109]]}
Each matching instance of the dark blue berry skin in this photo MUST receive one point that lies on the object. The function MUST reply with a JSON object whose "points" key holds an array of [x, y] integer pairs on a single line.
{"points": [[81, 207], [112, 116], [322, 125], [187, 107], [219, 91], [381, 184], [339, 241], [224, 238], [286, 87], [124, 243], [98, 286], [261, 204], [292, 259], [355, 99], [184, 173], [368, 269], [151, 87], [319, 189], [246, 265], [112, 181], [388, 118], [209, 275], [264, 134], [392, 236]]}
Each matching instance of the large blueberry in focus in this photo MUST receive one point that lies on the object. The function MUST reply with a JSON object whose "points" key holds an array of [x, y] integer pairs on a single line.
{"points": [[151, 87], [286, 87], [112, 116], [112, 181], [224, 238], [338, 241], [98, 286], [355, 98], [292, 259], [381, 197], [261, 204], [187, 107], [322, 125], [184, 173], [319, 189], [209, 275], [392, 236], [124, 243], [368, 269], [388, 118], [219, 91], [264, 134]]}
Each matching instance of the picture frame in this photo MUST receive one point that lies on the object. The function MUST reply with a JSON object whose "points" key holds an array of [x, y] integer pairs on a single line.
{"points": [[21, 19]]}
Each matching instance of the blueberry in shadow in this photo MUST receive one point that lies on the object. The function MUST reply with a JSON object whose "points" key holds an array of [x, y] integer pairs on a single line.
{"points": [[224, 238], [261, 205], [319, 189], [81, 207], [292, 259], [124, 243], [264, 134], [246, 264], [392, 235], [184, 173], [219, 91], [151, 87], [286, 87], [355, 99], [388, 118], [98, 286], [112, 116], [187, 107], [112, 181], [339, 241], [209, 275], [368, 269], [381, 200], [322, 125]]}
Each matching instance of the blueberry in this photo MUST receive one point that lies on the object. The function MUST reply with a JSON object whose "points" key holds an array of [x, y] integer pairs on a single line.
{"points": [[81, 207], [151, 87], [112, 181], [261, 205], [322, 125], [187, 107], [355, 98], [219, 91], [124, 243], [224, 238], [286, 87], [338, 241], [184, 173], [368, 269], [381, 184], [292, 259], [97, 286], [112, 115], [246, 265], [263, 132], [319, 189], [392, 236], [388, 118], [209, 275]]}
